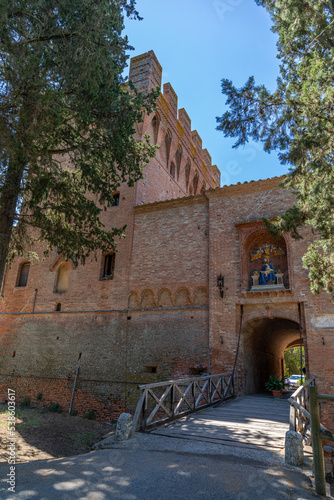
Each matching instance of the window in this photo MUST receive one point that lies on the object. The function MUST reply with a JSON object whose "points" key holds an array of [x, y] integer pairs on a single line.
{"points": [[172, 170], [62, 278], [23, 274], [187, 172], [115, 203], [155, 125], [108, 265], [178, 158], [195, 183], [168, 143]]}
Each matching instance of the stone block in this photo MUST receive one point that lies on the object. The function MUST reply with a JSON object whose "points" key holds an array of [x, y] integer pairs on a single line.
{"points": [[294, 449], [124, 427]]}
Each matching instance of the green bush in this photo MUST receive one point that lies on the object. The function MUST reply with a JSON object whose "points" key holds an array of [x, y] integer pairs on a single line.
{"points": [[90, 415], [39, 396], [55, 407], [25, 403], [74, 413]]}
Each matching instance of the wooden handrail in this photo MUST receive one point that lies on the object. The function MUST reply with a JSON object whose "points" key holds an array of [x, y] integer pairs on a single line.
{"points": [[319, 434], [165, 401]]}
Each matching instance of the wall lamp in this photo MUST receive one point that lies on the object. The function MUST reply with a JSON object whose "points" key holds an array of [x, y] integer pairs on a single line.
{"points": [[220, 284]]}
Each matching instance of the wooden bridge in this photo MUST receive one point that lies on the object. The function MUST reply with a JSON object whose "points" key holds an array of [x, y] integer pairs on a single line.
{"points": [[246, 422], [253, 422]]}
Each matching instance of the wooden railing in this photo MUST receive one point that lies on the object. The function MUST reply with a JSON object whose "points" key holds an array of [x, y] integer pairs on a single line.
{"points": [[304, 413], [299, 408], [166, 401], [319, 434]]}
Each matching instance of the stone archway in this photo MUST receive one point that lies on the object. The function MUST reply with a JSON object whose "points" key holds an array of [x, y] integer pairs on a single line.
{"points": [[264, 341]]}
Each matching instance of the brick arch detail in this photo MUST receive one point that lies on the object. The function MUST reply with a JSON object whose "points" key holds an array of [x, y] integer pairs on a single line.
{"points": [[277, 314]]}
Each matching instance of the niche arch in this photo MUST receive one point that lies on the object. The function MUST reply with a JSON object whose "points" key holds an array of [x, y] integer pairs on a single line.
{"points": [[182, 297], [201, 297], [147, 299], [133, 301], [165, 298], [62, 277], [257, 246]]}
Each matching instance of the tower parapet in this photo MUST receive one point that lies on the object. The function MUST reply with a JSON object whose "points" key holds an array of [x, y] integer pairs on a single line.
{"points": [[181, 167]]}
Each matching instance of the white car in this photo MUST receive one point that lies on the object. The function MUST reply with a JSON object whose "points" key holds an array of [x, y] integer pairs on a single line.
{"points": [[294, 380]]}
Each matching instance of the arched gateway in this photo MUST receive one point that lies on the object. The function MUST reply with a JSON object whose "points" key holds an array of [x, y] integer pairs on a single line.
{"points": [[264, 342]]}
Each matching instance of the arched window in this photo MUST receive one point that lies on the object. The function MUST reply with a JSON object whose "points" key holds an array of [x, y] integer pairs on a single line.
{"points": [[155, 125], [172, 169], [62, 278], [178, 158], [115, 201], [108, 266], [195, 183], [187, 172], [168, 143], [22, 277]]}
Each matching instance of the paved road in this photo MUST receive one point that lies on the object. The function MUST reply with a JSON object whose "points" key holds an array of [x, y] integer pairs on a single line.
{"points": [[161, 467]]}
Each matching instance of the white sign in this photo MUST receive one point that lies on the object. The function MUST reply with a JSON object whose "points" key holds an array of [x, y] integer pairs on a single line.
{"points": [[323, 321]]}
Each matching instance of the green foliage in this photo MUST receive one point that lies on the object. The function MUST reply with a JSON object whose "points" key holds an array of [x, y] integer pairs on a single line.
{"points": [[292, 360], [90, 415], [66, 123], [74, 413], [25, 403], [298, 121], [39, 396], [274, 383], [55, 408]]}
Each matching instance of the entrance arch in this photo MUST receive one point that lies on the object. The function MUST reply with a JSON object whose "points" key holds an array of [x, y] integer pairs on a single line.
{"points": [[264, 344]]}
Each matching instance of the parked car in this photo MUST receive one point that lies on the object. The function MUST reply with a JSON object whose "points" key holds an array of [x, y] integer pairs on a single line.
{"points": [[294, 380]]}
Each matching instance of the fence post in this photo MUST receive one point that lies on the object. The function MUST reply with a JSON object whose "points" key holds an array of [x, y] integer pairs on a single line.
{"points": [[173, 400], [318, 454], [144, 409]]}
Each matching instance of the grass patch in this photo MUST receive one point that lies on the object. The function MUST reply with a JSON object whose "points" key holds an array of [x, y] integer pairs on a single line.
{"points": [[85, 440]]}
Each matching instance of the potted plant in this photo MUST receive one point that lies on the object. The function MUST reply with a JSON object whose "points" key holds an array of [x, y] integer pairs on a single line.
{"points": [[276, 385]]}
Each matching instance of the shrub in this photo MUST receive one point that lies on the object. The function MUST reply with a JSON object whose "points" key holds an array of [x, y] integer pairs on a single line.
{"points": [[25, 403], [74, 413], [90, 415], [55, 407], [39, 396]]}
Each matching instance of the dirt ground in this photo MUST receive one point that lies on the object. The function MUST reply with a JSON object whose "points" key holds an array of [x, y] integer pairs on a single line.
{"points": [[43, 434]]}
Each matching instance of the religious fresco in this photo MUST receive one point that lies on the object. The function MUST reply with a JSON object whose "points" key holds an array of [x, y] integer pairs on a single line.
{"points": [[267, 276], [266, 250]]}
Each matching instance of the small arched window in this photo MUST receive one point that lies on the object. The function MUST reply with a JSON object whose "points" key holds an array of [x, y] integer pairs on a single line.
{"points": [[168, 143], [115, 201], [108, 266], [195, 183], [187, 172], [178, 158], [172, 169], [23, 273], [155, 125], [62, 278]]}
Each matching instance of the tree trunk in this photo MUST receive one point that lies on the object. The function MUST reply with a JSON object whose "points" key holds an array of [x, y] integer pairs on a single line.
{"points": [[8, 203]]}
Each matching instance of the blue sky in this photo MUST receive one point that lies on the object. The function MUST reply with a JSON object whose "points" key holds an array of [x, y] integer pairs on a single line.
{"points": [[198, 42]]}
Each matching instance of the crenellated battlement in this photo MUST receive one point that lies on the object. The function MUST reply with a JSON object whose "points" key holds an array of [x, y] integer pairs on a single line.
{"points": [[188, 167]]}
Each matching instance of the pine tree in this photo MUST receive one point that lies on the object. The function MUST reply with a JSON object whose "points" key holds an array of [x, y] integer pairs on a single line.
{"points": [[298, 121], [63, 98]]}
